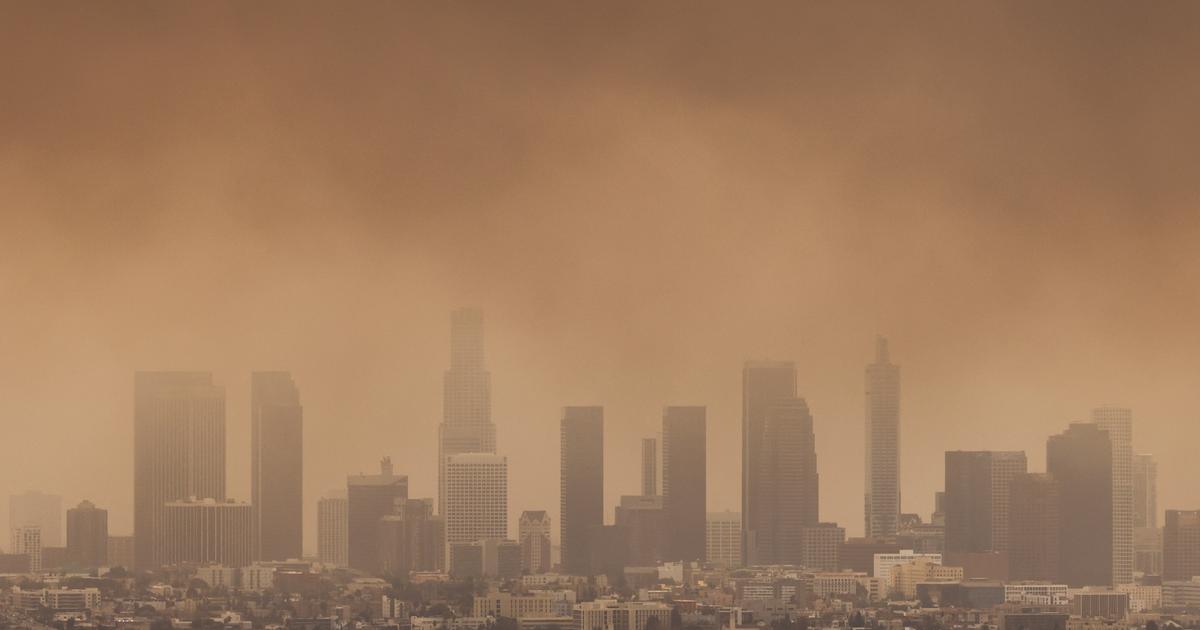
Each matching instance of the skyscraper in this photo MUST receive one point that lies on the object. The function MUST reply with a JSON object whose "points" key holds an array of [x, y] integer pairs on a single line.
{"points": [[646, 529], [178, 450], [533, 531], [202, 531], [411, 538], [581, 484], [1118, 422], [370, 498], [882, 475], [685, 469], [332, 526], [788, 499], [1080, 460], [466, 396], [87, 535], [476, 499], [1033, 529], [276, 466], [724, 539], [976, 502], [763, 384], [27, 540], [1145, 491], [37, 508], [649, 466], [1181, 545]]}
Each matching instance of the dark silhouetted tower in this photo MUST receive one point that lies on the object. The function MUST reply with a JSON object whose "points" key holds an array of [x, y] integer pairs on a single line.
{"points": [[581, 484], [977, 497], [685, 489], [87, 535], [178, 450], [368, 499], [1080, 459], [1181, 545], [1033, 527], [276, 466], [788, 500]]}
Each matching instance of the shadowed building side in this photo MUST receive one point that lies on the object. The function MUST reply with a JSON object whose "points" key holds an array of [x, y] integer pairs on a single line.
{"points": [[276, 466]]}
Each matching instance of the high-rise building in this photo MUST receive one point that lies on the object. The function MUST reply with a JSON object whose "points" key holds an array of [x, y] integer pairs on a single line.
{"points": [[27, 541], [121, 551], [763, 384], [87, 535], [1148, 550], [821, 546], [466, 396], [276, 466], [723, 545], [1181, 545], [368, 499], [976, 502], [411, 538], [332, 528], [178, 450], [38, 508], [204, 531], [533, 531], [1080, 460], [685, 468], [649, 466], [881, 503], [476, 499], [788, 498], [1118, 422], [1033, 527], [581, 484], [1145, 491], [646, 527]]}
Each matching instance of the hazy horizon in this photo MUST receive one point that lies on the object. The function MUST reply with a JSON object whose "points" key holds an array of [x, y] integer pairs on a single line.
{"points": [[639, 198]]}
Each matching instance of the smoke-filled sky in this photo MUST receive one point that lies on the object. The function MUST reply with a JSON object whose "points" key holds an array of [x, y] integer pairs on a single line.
{"points": [[640, 197]]}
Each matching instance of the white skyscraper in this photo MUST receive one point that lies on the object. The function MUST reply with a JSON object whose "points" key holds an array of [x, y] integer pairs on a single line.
{"points": [[27, 539], [881, 504], [1118, 422], [466, 396], [333, 528], [476, 499], [723, 539], [37, 508]]}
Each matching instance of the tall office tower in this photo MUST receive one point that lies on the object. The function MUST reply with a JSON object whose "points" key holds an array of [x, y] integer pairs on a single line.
{"points": [[646, 528], [1148, 550], [120, 551], [411, 538], [476, 499], [763, 384], [204, 531], [368, 499], [881, 505], [822, 545], [1118, 422], [37, 508], [87, 535], [533, 530], [332, 528], [788, 498], [1181, 545], [1080, 459], [649, 467], [938, 517], [723, 546], [581, 484], [685, 489], [1145, 491], [1033, 527], [276, 466], [977, 499], [466, 396], [178, 449], [27, 540]]}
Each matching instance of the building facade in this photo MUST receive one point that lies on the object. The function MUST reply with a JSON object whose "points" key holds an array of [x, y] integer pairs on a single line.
{"points": [[41, 509], [332, 529], [87, 535], [1033, 527], [649, 466], [788, 483], [764, 383], [276, 466], [533, 532], [368, 499], [178, 451], [1118, 422], [685, 489], [411, 538], [881, 502], [204, 531], [27, 541], [1080, 460], [976, 503], [476, 498], [466, 396], [581, 484], [723, 539], [1181, 545]]}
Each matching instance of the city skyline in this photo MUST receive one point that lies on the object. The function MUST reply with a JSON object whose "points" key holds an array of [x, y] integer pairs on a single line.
{"points": [[315, 193]]}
